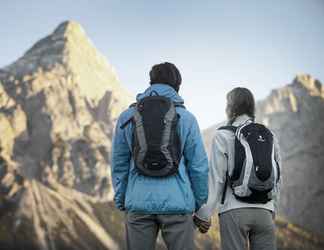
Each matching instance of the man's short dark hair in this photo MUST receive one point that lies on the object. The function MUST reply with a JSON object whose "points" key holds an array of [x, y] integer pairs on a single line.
{"points": [[240, 101], [166, 73]]}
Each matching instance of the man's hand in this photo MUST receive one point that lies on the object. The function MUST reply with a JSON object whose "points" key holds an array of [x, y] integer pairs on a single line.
{"points": [[202, 225], [273, 215]]}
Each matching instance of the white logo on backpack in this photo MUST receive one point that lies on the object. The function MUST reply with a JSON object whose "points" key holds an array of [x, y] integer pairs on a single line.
{"points": [[261, 139]]}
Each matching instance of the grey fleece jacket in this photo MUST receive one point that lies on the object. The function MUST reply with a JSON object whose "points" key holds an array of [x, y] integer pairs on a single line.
{"points": [[222, 144]]}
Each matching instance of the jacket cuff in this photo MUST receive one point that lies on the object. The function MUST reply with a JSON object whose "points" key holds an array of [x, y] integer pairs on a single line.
{"points": [[204, 213], [119, 205], [202, 218]]}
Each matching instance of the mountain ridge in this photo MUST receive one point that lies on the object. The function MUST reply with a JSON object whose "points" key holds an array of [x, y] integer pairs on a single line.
{"points": [[69, 46], [60, 102]]}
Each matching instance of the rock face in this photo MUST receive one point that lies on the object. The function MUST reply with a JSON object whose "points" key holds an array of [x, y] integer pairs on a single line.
{"points": [[296, 115], [38, 217], [34, 216], [58, 106]]}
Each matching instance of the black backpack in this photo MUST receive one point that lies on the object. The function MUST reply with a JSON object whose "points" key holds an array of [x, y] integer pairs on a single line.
{"points": [[256, 173], [156, 145]]}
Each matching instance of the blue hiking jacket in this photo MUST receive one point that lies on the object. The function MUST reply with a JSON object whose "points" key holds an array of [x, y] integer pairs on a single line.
{"points": [[184, 192]]}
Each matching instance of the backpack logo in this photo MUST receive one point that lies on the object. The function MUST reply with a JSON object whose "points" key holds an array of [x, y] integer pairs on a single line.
{"points": [[261, 139]]}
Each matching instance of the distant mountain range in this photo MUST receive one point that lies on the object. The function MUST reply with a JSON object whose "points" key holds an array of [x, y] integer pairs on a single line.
{"points": [[58, 106]]}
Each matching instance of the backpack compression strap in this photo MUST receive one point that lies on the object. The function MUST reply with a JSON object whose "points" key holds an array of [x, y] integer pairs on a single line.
{"points": [[233, 129]]}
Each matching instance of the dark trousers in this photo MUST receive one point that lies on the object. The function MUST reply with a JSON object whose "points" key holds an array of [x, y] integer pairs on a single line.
{"points": [[142, 231]]}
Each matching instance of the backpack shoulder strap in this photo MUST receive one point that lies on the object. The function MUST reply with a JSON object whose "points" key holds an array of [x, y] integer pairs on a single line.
{"points": [[229, 127], [232, 129], [154, 93], [179, 104], [133, 105], [124, 125], [226, 182]]}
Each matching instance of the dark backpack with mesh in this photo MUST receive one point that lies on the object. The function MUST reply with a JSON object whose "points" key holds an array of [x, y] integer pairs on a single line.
{"points": [[256, 173], [156, 143]]}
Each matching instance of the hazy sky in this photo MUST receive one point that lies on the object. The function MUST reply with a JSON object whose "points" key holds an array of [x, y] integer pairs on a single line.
{"points": [[216, 44]]}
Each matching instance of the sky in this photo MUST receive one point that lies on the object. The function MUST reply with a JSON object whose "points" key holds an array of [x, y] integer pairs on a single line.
{"points": [[217, 45]]}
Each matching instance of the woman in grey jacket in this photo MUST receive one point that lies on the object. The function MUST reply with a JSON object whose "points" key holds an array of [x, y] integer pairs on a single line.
{"points": [[242, 223]]}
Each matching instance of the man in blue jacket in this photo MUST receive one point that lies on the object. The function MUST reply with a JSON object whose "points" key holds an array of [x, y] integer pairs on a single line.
{"points": [[160, 203]]}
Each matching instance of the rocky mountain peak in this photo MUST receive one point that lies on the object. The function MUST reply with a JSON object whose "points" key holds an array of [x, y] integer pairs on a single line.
{"points": [[58, 106], [309, 83], [292, 97], [70, 28], [69, 52], [62, 38]]}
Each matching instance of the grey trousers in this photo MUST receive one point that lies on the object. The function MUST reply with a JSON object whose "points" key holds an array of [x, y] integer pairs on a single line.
{"points": [[243, 227], [142, 231]]}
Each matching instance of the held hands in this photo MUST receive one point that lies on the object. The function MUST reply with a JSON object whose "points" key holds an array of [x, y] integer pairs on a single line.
{"points": [[202, 225]]}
